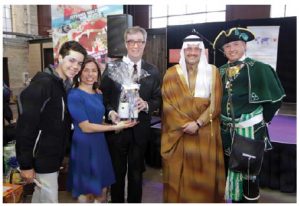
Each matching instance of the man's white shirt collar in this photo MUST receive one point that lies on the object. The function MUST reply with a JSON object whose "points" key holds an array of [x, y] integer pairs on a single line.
{"points": [[131, 63]]}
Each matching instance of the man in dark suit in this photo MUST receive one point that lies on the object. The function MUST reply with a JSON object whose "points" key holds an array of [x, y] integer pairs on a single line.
{"points": [[127, 147]]}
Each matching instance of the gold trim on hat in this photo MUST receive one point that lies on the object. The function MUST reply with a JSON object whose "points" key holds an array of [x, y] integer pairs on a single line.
{"points": [[229, 33]]}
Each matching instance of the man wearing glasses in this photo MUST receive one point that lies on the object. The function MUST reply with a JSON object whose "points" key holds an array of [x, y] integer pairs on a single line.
{"points": [[44, 125], [127, 147]]}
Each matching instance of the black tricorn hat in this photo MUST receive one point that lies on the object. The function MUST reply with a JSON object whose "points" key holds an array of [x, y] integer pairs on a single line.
{"points": [[233, 34]]}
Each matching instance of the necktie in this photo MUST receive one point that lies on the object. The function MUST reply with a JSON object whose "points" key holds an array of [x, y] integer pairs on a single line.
{"points": [[235, 63], [135, 74]]}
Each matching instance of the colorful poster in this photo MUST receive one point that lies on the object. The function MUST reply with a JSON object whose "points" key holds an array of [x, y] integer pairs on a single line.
{"points": [[264, 47], [86, 24], [174, 55]]}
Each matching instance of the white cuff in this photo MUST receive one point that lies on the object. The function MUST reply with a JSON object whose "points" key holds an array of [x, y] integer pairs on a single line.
{"points": [[109, 117]]}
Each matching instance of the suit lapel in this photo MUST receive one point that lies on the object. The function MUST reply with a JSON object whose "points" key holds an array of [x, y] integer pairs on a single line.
{"points": [[143, 81]]}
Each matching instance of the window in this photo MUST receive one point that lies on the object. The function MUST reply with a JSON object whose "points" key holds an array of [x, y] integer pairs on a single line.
{"points": [[178, 14], [165, 15], [7, 20], [283, 10]]}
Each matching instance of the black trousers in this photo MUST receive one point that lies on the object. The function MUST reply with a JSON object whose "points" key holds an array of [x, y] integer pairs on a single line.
{"points": [[127, 157]]}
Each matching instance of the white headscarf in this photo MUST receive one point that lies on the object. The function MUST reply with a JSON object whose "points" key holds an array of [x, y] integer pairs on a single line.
{"points": [[204, 74]]}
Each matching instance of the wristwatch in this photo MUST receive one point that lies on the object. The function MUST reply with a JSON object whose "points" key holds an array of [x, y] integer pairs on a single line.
{"points": [[199, 124]]}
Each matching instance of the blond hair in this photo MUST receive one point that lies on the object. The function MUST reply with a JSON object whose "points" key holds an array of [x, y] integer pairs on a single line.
{"points": [[134, 30]]}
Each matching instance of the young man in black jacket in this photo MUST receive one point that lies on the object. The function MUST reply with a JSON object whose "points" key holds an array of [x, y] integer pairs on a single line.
{"points": [[44, 124]]}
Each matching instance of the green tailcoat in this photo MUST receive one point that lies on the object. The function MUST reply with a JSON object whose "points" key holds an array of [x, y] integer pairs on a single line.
{"points": [[257, 84]]}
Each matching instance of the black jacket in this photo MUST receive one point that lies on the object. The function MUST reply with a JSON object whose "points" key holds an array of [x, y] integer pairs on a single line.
{"points": [[149, 91], [7, 112], [43, 126]]}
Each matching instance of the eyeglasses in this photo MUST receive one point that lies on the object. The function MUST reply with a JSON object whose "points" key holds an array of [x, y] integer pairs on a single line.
{"points": [[132, 42]]}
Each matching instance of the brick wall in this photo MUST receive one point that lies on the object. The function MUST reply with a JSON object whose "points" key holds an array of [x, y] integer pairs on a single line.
{"points": [[16, 50], [24, 20]]}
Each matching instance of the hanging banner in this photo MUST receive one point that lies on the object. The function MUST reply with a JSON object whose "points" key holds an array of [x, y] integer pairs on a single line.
{"points": [[86, 24], [265, 45]]}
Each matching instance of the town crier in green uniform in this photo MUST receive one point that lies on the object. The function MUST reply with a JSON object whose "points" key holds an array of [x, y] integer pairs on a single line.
{"points": [[256, 95]]}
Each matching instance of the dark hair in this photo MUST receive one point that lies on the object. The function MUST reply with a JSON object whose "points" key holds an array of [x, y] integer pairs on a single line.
{"points": [[72, 45], [87, 60]]}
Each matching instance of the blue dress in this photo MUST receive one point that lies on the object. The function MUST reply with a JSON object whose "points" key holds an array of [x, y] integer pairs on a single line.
{"points": [[90, 167]]}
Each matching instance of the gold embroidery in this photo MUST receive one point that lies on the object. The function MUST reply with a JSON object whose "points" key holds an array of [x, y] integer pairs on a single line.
{"points": [[233, 71], [192, 75]]}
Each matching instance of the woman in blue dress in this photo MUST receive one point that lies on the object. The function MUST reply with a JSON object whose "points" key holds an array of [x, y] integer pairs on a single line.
{"points": [[90, 171]]}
